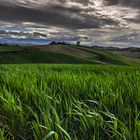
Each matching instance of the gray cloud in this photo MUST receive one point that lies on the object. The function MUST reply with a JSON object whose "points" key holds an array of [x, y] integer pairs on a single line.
{"points": [[75, 18], [131, 3], [63, 13], [15, 34], [136, 19]]}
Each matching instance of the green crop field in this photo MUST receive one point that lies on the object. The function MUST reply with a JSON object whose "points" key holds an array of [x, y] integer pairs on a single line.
{"points": [[69, 102]]}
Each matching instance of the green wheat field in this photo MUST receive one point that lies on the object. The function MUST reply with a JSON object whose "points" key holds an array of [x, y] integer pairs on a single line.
{"points": [[69, 102]]}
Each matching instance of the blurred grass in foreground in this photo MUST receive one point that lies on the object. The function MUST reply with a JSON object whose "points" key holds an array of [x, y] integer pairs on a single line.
{"points": [[77, 102]]}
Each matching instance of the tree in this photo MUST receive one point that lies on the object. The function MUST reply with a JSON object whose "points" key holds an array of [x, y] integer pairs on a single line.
{"points": [[78, 43]]}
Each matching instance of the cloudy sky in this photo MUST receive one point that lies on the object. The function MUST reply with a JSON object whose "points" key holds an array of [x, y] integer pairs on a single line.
{"points": [[85, 20]]}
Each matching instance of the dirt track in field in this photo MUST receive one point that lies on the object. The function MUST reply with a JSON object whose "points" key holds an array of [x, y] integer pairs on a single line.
{"points": [[65, 49]]}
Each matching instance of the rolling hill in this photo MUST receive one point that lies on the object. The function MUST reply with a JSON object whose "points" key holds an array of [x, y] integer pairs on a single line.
{"points": [[63, 54]]}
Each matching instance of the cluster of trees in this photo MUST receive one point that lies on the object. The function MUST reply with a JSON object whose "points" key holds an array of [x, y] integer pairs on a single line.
{"points": [[63, 43], [59, 43], [6, 44]]}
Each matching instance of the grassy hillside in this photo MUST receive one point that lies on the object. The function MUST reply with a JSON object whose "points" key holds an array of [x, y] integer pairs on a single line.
{"points": [[62, 54], [69, 102]]}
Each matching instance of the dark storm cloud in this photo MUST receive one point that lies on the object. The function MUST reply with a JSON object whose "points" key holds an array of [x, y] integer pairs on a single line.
{"points": [[56, 15]]}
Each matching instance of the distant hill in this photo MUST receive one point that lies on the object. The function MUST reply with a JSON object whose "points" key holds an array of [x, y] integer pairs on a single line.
{"points": [[64, 54]]}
